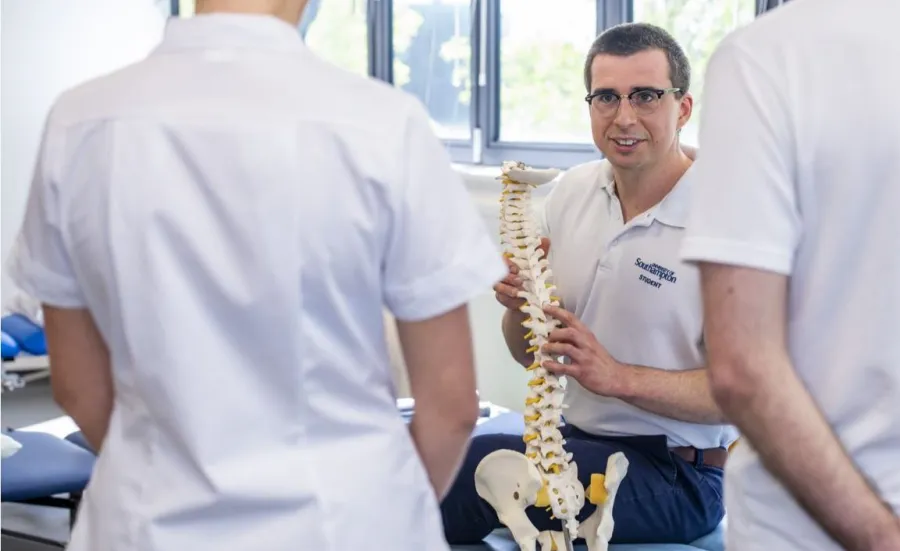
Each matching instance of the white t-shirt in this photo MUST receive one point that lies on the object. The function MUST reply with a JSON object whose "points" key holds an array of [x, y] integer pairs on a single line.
{"points": [[799, 174], [627, 283], [235, 213]]}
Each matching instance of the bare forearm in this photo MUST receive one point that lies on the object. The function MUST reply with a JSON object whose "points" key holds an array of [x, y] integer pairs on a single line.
{"points": [[81, 378], [514, 334], [90, 410], [442, 444], [777, 416], [682, 395]]}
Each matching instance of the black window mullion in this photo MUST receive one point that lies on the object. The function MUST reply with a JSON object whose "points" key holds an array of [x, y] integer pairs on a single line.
{"points": [[480, 75], [613, 12], [380, 38], [492, 56]]}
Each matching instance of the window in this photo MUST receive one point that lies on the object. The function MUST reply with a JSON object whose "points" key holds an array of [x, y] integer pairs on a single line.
{"points": [[699, 26], [337, 31], [503, 79], [542, 55], [186, 8], [432, 57]]}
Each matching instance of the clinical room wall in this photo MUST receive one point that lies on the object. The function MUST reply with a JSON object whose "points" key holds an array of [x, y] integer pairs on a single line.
{"points": [[48, 46], [500, 379]]}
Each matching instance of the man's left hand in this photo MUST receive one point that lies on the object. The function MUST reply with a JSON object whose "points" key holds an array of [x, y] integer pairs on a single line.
{"points": [[590, 364]]}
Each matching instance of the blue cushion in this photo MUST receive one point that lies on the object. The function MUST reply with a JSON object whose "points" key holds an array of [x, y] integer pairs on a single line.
{"points": [[79, 440], [10, 348], [45, 466], [27, 334]]}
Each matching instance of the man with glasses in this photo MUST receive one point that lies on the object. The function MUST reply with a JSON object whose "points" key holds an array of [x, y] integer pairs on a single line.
{"points": [[636, 381], [795, 227]]}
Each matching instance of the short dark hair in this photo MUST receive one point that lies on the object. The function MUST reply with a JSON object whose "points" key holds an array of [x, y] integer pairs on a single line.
{"points": [[630, 38]]}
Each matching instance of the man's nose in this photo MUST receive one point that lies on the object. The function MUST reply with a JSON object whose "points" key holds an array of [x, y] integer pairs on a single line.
{"points": [[625, 115]]}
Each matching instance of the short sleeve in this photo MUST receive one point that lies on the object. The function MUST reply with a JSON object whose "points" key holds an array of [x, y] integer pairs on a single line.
{"points": [[439, 254], [39, 264], [744, 202]]}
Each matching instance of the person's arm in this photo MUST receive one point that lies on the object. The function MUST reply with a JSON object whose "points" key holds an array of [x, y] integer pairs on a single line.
{"points": [[81, 377], [744, 229], [441, 369], [40, 265], [681, 395], [755, 384], [438, 257]]}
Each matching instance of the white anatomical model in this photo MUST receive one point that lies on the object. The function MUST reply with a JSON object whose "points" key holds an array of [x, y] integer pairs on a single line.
{"points": [[544, 475]]}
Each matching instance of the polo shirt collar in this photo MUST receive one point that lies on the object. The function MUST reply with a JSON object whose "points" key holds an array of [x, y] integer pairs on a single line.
{"points": [[673, 209]]}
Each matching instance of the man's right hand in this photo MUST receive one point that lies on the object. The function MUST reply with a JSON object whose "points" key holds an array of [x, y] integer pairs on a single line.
{"points": [[508, 288]]}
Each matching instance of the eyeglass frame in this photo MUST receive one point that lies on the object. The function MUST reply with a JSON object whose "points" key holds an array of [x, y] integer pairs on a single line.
{"points": [[660, 92]]}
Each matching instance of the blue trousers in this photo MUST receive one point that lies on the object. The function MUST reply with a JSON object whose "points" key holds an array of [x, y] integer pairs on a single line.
{"points": [[663, 498]]}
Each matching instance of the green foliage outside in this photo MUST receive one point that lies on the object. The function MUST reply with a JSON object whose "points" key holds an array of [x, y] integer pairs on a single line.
{"points": [[340, 34], [699, 26], [542, 87]]}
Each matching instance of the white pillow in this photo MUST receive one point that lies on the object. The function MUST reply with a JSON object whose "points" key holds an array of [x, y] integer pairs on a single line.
{"points": [[8, 446]]}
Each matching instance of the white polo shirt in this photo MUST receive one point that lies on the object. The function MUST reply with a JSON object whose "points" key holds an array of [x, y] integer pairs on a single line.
{"points": [[628, 284], [235, 213], [799, 174]]}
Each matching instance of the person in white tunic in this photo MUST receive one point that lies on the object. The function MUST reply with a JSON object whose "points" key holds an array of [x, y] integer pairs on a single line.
{"points": [[795, 225], [214, 233]]}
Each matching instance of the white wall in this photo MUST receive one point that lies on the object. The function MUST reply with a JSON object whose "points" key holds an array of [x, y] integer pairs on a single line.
{"points": [[51, 45], [500, 379], [47, 47]]}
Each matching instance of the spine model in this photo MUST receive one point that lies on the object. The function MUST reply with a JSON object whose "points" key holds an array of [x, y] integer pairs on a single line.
{"points": [[520, 238], [545, 475]]}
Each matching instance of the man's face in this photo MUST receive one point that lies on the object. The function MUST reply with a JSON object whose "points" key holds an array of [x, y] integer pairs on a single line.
{"points": [[635, 134]]}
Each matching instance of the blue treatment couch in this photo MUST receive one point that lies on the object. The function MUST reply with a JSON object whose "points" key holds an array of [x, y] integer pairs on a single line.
{"points": [[28, 336], [45, 471]]}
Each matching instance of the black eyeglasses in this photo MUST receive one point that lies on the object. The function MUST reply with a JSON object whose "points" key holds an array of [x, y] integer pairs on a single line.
{"points": [[644, 101]]}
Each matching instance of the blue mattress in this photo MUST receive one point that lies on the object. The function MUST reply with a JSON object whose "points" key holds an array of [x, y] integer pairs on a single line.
{"points": [[43, 467]]}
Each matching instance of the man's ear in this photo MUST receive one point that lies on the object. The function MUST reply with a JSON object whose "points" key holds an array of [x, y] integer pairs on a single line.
{"points": [[685, 109]]}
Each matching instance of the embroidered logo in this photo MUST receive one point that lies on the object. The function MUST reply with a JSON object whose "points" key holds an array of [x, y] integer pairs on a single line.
{"points": [[655, 274]]}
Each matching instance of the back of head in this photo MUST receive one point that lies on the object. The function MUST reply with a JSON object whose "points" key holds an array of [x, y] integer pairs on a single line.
{"points": [[631, 38]]}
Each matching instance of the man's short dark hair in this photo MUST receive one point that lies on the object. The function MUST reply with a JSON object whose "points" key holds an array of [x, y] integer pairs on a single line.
{"points": [[631, 38]]}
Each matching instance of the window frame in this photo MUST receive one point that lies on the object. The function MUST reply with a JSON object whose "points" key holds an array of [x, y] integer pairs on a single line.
{"points": [[495, 150], [484, 148]]}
